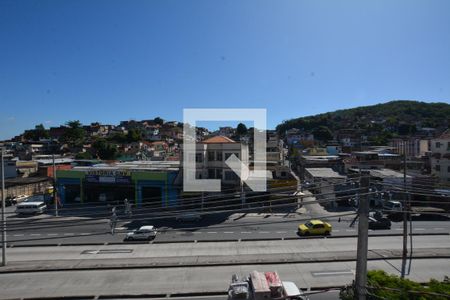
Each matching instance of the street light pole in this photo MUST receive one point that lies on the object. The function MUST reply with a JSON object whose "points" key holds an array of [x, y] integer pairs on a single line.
{"points": [[54, 186], [3, 211], [405, 216]]}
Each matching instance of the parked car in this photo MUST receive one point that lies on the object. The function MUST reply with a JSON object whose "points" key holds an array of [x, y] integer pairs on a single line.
{"points": [[381, 223], [189, 217], [315, 227], [143, 233], [30, 208], [10, 200]]}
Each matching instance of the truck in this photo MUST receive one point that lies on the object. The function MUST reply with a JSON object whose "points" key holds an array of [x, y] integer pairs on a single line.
{"points": [[264, 286]]}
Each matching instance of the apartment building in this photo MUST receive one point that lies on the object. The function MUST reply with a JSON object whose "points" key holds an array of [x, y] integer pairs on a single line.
{"points": [[211, 155], [412, 147], [440, 157]]}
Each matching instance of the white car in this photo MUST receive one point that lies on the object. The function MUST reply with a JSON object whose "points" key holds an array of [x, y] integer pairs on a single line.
{"points": [[30, 208], [143, 233], [393, 206]]}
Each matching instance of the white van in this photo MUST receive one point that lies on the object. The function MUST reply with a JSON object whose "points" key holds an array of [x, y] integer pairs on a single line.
{"points": [[30, 208]]}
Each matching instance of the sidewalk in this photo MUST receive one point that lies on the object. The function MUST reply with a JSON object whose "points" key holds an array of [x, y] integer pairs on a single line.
{"points": [[315, 209]]}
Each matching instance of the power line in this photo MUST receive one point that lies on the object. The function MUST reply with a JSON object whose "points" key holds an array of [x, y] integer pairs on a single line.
{"points": [[198, 227], [177, 213]]}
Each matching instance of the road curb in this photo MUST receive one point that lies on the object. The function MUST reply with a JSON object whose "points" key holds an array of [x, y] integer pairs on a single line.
{"points": [[12, 245]]}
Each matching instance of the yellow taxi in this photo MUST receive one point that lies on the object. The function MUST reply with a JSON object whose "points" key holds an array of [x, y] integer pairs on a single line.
{"points": [[315, 227]]}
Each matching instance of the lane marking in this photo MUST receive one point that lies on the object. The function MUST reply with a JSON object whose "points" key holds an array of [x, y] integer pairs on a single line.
{"points": [[438, 228], [69, 233], [264, 232], [350, 230], [52, 234], [281, 231], [211, 232], [398, 229], [245, 232], [349, 272], [336, 230], [35, 234], [419, 229], [19, 235], [228, 232]]}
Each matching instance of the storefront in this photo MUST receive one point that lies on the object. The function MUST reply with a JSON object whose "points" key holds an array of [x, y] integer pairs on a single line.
{"points": [[105, 184]]}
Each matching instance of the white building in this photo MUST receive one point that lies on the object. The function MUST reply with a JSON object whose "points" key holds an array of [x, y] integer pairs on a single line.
{"points": [[440, 157], [413, 147], [211, 155]]}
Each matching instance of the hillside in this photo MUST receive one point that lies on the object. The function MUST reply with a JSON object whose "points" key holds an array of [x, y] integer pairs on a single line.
{"points": [[387, 119]]}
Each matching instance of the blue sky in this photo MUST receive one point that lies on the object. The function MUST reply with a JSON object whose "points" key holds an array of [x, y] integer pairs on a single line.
{"points": [[116, 60]]}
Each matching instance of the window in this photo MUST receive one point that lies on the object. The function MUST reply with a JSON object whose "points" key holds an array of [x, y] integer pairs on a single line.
{"points": [[211, 155], [219, 173], [211, 173], [230, 175], [438, 145], [227, 155], [199, 157], [219, 156], [448, 169], [448, 145], [318, 226], [437, 167]]}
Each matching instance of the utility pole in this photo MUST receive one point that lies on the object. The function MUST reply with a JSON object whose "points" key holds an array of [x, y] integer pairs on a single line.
{"points": [[113, 220], [54, 185], [363, 239], [3, 211], [405, 216], [242, 194]]}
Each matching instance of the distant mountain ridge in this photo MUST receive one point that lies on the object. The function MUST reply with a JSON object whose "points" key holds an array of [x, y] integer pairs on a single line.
{"points": [[399, 117]]}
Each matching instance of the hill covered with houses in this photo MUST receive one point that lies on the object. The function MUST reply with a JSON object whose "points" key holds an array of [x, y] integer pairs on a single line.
{"points": [[378, 123]]}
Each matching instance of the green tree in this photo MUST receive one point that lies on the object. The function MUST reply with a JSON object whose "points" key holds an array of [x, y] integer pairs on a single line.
{"points": [[385, 286], [134, 135], [158, 120], [105, 150], [74, 135], [241, 129], [83, 155], [118, 138], [322, 133], [39, 132]]}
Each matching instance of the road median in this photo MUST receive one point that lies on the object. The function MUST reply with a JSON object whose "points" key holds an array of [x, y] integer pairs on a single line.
{"points": [[210, 260]]}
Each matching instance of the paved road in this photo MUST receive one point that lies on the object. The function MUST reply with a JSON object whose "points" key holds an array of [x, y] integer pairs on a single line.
{"points": [[218, 253], [204, 279], [220, 227]]}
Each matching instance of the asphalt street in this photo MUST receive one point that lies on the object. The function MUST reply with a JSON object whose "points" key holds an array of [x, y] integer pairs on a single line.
{"points": [[70, 231], [188, 280]]}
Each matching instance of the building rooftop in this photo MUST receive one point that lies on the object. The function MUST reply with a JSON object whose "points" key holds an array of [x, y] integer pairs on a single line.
{"points": [[324, 173], [320, 157], [220, 139], [142, 165], [387, 173], [46, 162], [445, 135]]}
